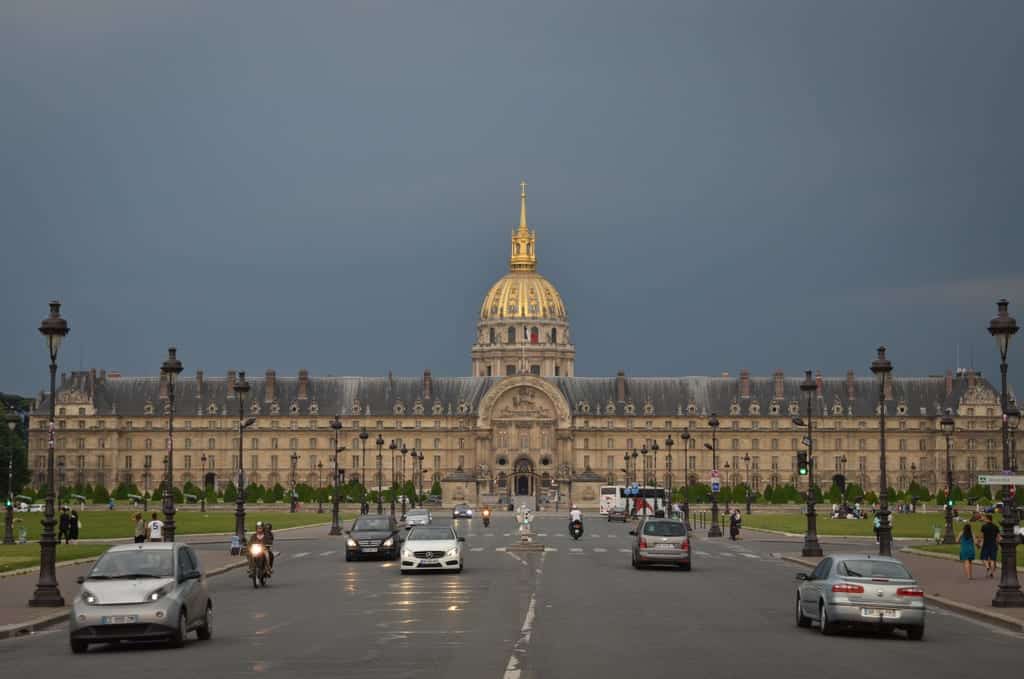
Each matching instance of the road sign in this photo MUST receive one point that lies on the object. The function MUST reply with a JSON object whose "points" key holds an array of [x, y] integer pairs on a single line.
{"points": [[715, 486], [1000, 480], [807, 441], [714, 474]]}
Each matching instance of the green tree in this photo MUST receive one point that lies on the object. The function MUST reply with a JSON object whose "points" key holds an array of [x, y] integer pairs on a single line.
{"points": [[870, 497], [435, 489], [14, 444], [100, 494], [981, 492], [230, 492], [920, 492], [768, 492]]}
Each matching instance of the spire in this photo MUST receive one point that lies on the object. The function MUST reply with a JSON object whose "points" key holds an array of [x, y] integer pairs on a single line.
{"points": [[524, 250]]}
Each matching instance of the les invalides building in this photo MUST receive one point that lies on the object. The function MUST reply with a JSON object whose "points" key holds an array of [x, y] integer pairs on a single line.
{"points": [[522, 424]]}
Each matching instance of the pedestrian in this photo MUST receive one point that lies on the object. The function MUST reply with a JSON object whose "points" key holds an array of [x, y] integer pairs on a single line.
{"points": [[140, 528], [64, 526], [155, 529], [989, 542], [734, 524], [877, 525], [73, 525], [967, 549]]}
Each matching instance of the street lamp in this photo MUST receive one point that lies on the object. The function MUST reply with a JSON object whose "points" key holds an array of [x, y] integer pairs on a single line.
{"points": [[47, 593], [1009, 594], [393, 447], [202, 500], [643, 454], [241, 388], [363, 435], [668, 463], [295, 464], [320, 488], [685, 436], [811, 546], [746, 460], [146, 465], [171, 368], [881, 367], [12, 423], [335, 519], [380, 473], [715, 531], [405, 451], [420, 473]]}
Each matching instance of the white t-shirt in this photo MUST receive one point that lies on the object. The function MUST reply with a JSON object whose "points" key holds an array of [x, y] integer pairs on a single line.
{"points": [[156, 529], [575, 515]]}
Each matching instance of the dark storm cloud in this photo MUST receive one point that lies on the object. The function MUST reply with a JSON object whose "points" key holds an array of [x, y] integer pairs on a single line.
{"points": [[331, 186]]}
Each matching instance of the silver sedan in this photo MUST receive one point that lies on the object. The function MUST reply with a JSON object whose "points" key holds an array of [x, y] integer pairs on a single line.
{"points": [[146, 591], [860, 590]]}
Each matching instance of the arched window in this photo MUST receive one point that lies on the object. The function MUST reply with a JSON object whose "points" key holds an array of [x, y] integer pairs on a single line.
{"points": [[554, 335], [511, 335], [494, 339], [534, 335]]}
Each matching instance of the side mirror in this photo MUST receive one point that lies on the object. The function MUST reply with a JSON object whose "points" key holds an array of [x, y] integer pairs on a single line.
{"points": [[462, 539], [80, 579], [803, 576]]}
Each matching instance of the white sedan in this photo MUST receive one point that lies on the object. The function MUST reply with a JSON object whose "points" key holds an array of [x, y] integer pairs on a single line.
{"points": [[436, 548], [418, 517]]}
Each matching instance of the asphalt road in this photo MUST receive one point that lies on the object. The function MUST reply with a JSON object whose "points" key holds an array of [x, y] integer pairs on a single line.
{"points": [[577, 610]]}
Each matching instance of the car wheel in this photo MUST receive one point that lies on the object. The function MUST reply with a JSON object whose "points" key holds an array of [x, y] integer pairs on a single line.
{"points": [[405, 571], [348, 556], [827, 626], [178, 638], [205, 630], [915, 633], [460, 567], [79, 646], [685, 566], [801, 619]]}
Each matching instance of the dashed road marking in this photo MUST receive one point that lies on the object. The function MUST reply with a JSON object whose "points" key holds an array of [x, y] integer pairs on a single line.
{"points": [[624, 550], [576, 550], [600, 549], [543, 535], [700, 553], [499, 549], [551, 549], [476, 549], [611, 537], [750, 556], [728, 554], [488, 535], [327, 553], [507, 534], [301, 554]]}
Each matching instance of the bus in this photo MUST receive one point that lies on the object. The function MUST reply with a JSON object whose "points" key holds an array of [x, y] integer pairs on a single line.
{"points": [[615, 496], [612, 496]]}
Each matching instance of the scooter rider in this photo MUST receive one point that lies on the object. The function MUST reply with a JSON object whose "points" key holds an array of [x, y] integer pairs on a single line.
{"points": [[264, 538], [575, 515]]}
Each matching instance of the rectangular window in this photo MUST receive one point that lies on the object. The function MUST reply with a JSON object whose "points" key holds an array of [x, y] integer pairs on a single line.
{"points": [[273, 444], [611, 463], [293, 444], [99, 461], [462, 443], [775, 463], [128, 444], [755, 444], [255, 444], [254, 462], [462, 461], [437, 444], [862, 444], [127, 461], [210, 461], [437, 466], [586, 462], [611, 444], [188, 444], [735, 444], [535, 370], [147, 461], [586, 444], [211, 443], [510, 370], [693, 462], [629, 444], [775, 444], [557, 371], [81, 444], [188, 462], [312, 443], [149, 444], [273, 462]]}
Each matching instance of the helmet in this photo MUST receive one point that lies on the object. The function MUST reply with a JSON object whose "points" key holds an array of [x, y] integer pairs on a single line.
{"points": [[574, 507], [259, 524]]}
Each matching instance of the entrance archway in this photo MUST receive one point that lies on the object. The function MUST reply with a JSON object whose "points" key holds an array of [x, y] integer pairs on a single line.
{"points": [[210, 482], [523, 477]]}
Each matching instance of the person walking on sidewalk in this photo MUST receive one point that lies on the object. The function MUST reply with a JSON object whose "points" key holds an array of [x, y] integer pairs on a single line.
{"points": [[967, 549], [989, 542], [64, 527], [73, 526], [155, 529], [140, 528]]}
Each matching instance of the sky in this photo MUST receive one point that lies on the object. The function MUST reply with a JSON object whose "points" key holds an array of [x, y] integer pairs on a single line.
{"points": [[332, 186]]}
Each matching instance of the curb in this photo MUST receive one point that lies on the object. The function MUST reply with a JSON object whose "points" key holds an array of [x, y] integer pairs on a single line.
{"points": [[948, 557], [18, 629], [967, 610], [35, 569], [117, 541], [829, 537]]}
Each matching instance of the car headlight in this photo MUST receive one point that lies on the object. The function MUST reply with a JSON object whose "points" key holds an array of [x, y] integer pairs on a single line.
{"points": [[389, 542], [351, 543], [88, 597], [452, 552], [153, 596], [469, 512]]}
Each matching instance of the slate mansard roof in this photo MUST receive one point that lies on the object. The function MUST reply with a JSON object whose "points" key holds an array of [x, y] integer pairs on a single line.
{"points": [[380, 397]]}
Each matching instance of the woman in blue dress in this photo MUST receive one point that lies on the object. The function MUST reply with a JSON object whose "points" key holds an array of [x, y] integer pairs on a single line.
{"points": [[967, 549]]}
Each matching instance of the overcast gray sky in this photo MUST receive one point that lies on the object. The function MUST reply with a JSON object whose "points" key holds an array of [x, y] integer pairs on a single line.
{"points": [[327, 185]]}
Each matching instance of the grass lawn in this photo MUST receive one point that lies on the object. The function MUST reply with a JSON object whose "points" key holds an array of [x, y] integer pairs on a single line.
{"points": [[955, 550], [918, 525], [23, 556], [103, 524]]}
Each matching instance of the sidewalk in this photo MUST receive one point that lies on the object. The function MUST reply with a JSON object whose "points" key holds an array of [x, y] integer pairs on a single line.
{"points": [[944, 585]]}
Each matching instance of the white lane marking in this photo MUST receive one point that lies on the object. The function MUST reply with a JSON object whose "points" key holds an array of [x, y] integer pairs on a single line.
{"points": [[750, 556], [625, 551], [700, 553], [551, 549], [476, 549], [728, 554], [576, 549], [600, 549], [517, 558], [611, 537], [512, 670], [507, 534], [595, 535], [488, 535], [542, 535], [301, 554], [499, 549], [327, 553]]}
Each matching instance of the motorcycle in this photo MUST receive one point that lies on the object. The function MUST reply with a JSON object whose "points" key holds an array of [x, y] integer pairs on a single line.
{"points": [[487, 517], [259, 566], [576, 529]]}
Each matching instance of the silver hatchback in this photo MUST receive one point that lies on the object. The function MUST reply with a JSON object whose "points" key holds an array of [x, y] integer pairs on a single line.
{"points": [[663, 541], [860, 590], [146, 591]]}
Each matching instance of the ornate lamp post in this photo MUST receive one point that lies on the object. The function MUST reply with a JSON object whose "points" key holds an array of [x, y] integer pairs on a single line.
{"points": [[202, 499], [405, 451], [1009, 594], [420, 473], [335, 519], [746, 460], [47, 593], [881, 367], [146, 466], [380, 473], [12, 423], [171, 368], [241, 388], [948, 426], [811, 546], [393, 447], [291, 500], [320, 488], [363, 435], [715, 531], [668, 471], [643, 481], [685, 436]]}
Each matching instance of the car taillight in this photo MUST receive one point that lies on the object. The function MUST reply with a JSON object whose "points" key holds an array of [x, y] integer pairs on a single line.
{"points": [[685, 545], [846, 588], [910, 591], [643, 543]]}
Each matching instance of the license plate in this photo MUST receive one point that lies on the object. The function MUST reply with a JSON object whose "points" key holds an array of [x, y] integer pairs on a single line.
{"points": [[119, 619], [889, 613], [664, 545], [430, 562], [369, 549]]}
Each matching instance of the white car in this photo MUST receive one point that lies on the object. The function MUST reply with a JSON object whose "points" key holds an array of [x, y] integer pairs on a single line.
{"points": [[37, 508], [418, 517], [436, 548]]}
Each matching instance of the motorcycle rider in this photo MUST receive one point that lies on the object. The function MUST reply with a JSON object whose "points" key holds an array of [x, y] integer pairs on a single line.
{"points": [[575, 515], [265, 538]]}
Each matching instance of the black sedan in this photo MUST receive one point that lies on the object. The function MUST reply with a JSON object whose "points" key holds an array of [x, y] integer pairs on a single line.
{"points": [[373, 535], [462, 511]]}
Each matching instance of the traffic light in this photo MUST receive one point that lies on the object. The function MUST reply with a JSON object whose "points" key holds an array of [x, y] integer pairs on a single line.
{"points": [[949, 501], [801, 463], [8, 504]]}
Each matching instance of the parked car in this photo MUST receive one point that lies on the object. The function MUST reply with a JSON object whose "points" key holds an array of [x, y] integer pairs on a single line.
{"points": [[661, 541], [617, 514], [373, 535], [432, 548], [433, 499], [38, 508], [153, 590], [462, 511], [418, 517], [860, 590]]}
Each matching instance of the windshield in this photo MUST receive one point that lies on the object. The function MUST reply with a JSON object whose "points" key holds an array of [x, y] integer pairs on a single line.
{"points": [[137, 563], [426, 533], [376, 523], [417, 512], [664, 529], [874, 569]]}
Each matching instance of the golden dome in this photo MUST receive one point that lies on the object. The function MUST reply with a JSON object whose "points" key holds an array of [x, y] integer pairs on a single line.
{"points": [[523, 295]]}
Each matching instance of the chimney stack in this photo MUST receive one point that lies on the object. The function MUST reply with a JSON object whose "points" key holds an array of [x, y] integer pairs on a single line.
{"points": [[199, 384], [850, 385], [303, 384], [270, 387], [972, 379], [780, 385], [949, 383], [230, 390], [428, 385], [92, 383], [620, 387], [744, 383], [820, 382]]}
